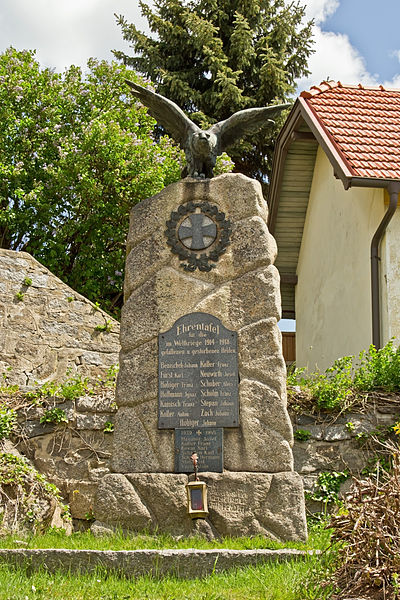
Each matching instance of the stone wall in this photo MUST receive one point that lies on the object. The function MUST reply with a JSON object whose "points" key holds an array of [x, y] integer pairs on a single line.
{"points": [[334, 443], [46, 329], [75, 456]]}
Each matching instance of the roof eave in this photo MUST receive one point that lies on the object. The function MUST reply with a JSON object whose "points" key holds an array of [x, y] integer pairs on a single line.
{"points": [[341, 169], [302, 110], [372, 182], [281, 147]]}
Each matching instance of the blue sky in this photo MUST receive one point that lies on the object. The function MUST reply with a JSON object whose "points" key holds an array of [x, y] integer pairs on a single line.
{"points": [[356, 40], [373, 29]]}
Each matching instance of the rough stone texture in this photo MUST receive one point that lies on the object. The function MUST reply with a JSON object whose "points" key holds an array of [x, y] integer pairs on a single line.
{"points": [[158, 563], [243, 292], [52, 330], [257, 503], [77, 460], [157, 304], [138, 445], [239, 503], [26, 507], [245, 300], [333, 447], [70, 456], [138, 376], [264, 438]]}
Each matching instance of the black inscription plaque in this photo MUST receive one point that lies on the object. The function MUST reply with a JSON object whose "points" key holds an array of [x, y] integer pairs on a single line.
{"points": [[197, 374], [207, 443]]}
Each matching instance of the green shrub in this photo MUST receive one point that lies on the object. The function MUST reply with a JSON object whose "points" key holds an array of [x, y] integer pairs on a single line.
{"points": [[301, 435], [29, 490], [54, 415], [333, 390], [293, 375], [108, 427], [74, 388], [69, 390], [327, 487], [379, 369], [8, 421]]}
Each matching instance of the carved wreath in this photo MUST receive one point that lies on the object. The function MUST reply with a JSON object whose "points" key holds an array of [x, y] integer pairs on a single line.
{"points": [[198, 233]]}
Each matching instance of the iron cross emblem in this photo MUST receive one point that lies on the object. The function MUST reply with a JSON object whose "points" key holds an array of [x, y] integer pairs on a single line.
{"points": [[197, 231]]}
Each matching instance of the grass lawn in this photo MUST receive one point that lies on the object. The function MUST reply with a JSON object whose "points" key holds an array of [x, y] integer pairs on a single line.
{"points": [[285, 581]]}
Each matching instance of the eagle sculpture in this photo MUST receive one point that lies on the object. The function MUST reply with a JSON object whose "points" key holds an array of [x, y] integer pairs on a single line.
{"points": [[202, 147]]}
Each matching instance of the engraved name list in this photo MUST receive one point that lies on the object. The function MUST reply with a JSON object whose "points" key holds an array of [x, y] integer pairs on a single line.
{"points": [[198, 374]]}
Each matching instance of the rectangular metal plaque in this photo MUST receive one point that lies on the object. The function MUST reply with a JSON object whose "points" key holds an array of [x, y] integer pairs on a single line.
{"points": [[198, 374], [207, 443]]}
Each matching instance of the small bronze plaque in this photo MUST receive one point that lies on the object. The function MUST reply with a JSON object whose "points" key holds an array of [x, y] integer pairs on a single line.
{"points": [[198, 374], [208, 445]]}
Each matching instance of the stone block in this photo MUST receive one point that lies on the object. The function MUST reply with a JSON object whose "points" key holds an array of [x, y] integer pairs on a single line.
{"points": [[311, 457], [260, 355], [94, 421], [33, 429], [138, 375], [263, 441], [138, 445], [334, 433], [96, 404], [164, 496], [235, 194], [177, 563], [239, 503], [157, 304], [253, 245], [246, 299], [145, 259], [41, 281], [118, 503], [257, 504]]}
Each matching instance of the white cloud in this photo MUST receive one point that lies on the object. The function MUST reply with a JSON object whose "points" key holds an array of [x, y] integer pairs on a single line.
{"points": [[66, 32], [319, 9], [335, 58]]}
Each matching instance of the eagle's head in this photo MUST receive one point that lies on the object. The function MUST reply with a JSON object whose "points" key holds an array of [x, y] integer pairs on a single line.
{"points": [[203, 143]]}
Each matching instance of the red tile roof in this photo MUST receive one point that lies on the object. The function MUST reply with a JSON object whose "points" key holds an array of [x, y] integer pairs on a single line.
{"points": [[363, 123]]}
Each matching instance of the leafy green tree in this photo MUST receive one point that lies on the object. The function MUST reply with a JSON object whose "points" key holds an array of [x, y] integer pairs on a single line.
{"points": [[76, 153], [214, 57]]}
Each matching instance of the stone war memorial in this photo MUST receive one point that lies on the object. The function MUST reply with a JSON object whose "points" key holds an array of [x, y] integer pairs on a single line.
{"points": [[202, 381]]}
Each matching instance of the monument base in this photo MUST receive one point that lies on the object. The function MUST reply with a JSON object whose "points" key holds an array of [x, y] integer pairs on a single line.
{"points": [[240, 504]]}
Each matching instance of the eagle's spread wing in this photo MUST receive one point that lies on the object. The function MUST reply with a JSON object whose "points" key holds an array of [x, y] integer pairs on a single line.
{"points": [[243, 122], [166, 112]]}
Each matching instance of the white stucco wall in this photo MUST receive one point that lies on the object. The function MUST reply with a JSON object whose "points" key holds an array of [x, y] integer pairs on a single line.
{"points": [[390, 271], [333, 295]]}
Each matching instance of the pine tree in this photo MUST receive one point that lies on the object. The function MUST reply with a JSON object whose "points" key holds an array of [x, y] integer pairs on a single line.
{"points": [[214, 57]]}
